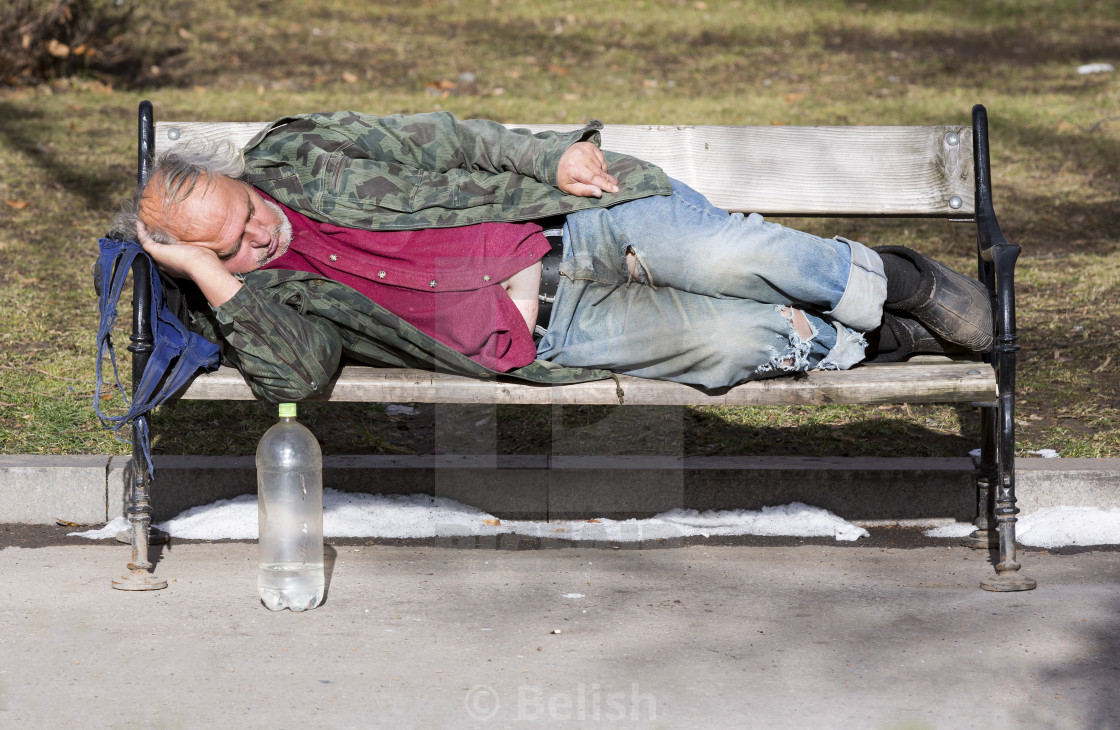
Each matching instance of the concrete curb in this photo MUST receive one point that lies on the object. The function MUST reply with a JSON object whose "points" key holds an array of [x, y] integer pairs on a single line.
{"points": [[92, 489]]}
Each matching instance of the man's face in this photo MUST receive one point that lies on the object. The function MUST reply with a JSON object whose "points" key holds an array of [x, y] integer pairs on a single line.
{"points": [[226, 216]]}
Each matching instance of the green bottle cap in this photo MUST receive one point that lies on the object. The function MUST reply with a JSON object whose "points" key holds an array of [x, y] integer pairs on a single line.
{"points": [[287, 410]]}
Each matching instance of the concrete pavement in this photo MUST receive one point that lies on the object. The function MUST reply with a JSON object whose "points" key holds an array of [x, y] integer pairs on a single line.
{"points": [[706, 636]]}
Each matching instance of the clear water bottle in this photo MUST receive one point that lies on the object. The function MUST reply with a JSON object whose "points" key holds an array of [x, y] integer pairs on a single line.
{"points": [[290, 515]]}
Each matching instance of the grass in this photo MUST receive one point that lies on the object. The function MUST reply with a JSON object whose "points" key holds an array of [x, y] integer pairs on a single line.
{"points": [[67, 150]]}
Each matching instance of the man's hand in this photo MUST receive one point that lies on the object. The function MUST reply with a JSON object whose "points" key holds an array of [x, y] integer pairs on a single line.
{"points": [[583, 171], [200, 265]]}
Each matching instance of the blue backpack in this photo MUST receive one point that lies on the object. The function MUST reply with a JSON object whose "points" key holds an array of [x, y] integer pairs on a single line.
{"points": [[177, 354]]}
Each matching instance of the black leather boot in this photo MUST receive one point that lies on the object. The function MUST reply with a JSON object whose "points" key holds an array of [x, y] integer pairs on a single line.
{"points": [[950, 305], [900, 337]]}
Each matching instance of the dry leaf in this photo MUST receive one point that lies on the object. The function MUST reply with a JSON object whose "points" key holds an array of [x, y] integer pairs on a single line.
{"points": [[349, 77], [559, 70], [17, 204], [495, 523], [66, 523], [58, 50], [186, 34]]}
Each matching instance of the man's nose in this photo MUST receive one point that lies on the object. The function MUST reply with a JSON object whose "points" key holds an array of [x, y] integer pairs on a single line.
{"points": [[258, 234]]}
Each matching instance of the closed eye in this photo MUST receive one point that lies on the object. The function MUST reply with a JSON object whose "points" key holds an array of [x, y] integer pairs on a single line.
{"points": [[252, 209]]}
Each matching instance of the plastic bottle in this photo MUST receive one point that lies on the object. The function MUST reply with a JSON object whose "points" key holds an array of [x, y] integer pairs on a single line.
{"points": [[290, 515]]}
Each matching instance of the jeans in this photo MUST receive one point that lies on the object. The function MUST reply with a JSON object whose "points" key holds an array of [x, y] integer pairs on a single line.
{"points": [[710, 304]]}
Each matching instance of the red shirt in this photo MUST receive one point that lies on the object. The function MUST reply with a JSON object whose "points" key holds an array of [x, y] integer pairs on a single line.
{"points": [[446, 282]]}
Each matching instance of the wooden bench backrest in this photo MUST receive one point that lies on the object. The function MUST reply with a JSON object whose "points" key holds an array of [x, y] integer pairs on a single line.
{"points": [[795, 171]]}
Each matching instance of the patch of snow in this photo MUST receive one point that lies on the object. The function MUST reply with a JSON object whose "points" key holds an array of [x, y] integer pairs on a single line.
{"points": [[1058, 526], [1054, 527], [111, 528], [957, 529], [419, 515], [794, 519]]}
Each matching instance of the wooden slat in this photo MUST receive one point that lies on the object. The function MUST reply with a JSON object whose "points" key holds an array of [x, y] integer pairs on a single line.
{"points": [[939, 382], [897, 171]]}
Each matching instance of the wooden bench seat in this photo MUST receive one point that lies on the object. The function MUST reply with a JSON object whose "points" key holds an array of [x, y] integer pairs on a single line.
{"points": [[932, 381], [926, 172]]}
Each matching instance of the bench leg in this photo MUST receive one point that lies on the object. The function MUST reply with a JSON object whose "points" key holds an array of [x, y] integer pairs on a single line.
{"points": [[139, 497], [140, 577], [1007, 576], [985, 476]]}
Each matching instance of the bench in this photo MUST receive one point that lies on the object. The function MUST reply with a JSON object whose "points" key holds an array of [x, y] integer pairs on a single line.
{"points": [[923, 172]]}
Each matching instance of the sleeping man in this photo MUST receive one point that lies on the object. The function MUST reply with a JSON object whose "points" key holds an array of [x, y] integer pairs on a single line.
{"points": [[420, 241]]}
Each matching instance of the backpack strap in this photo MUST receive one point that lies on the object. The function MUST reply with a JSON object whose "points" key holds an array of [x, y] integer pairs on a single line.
{"points": [[177, 353]]}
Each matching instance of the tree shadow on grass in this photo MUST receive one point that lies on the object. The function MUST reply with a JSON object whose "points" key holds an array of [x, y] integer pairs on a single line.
{"points": [[20, 129]]}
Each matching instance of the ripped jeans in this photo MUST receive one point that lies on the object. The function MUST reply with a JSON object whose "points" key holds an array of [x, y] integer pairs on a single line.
{"points": [[710, 304]]}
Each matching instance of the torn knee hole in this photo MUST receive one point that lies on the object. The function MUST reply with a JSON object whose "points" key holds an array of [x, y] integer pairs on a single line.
{"points": [[795, 358], [799, 321], [634, 265]]}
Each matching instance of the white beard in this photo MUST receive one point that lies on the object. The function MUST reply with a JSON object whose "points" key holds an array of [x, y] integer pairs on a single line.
{"points": [[283, 236]]}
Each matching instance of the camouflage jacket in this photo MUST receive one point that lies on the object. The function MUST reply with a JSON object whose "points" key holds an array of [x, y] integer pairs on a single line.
{"points": [[426, 170], [288, 331]]}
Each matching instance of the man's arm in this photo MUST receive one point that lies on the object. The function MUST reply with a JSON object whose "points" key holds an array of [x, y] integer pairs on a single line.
{"points": [[283, 355], [433, 170], [200, 265], [575, 167], [439, 142]]}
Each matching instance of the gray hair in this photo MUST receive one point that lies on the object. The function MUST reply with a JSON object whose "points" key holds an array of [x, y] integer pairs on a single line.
{"points": [[176, 173]]}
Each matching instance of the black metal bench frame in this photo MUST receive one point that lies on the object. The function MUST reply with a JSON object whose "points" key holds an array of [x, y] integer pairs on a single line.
{"points": [[995, 469]]}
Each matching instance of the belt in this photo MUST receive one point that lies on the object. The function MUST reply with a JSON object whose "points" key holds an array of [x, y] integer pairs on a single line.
{"points": [[550, 275]]}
